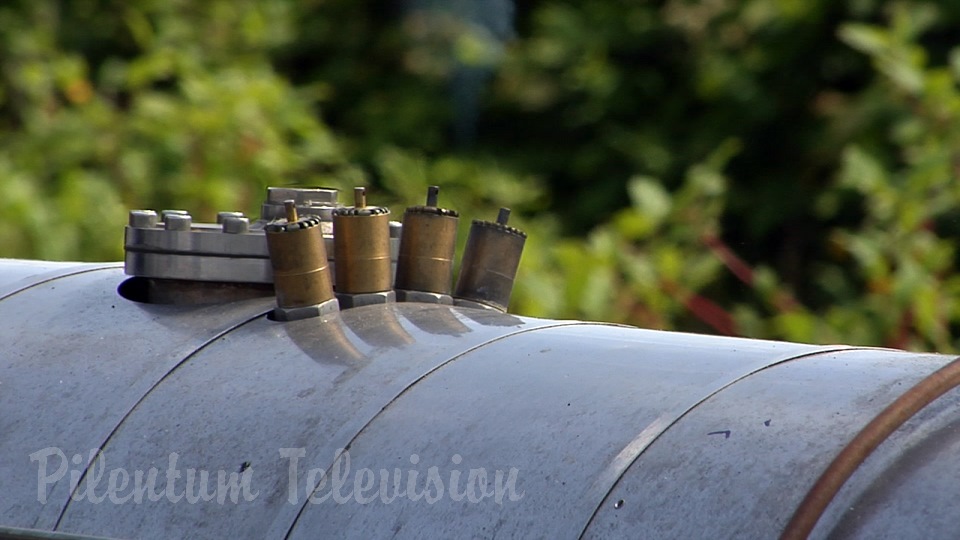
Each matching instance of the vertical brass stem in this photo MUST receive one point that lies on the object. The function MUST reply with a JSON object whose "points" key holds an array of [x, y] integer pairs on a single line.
{"points": [[291, 208]]}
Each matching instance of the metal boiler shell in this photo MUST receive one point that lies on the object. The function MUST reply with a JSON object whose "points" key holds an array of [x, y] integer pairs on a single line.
{"points": [[614, 431]]}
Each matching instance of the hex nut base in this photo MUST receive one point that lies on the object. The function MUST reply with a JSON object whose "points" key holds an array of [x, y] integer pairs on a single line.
{"points": [[424, 297], [306, 312], [365, 299], [463, 302]]}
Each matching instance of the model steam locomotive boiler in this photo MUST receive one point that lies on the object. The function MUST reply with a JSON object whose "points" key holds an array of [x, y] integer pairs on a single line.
{"points": [[317, 373]]}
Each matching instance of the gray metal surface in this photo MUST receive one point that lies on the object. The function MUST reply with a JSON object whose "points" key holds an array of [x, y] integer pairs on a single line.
{"points": [[611, 431], [909, 488], [16, 275], [77, 358], [17, 533], [310, 384], [557, 404], [741, 462], [205, 252]]}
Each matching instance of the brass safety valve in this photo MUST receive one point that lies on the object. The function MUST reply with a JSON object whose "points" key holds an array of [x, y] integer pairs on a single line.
{"points": [[427, 244]]}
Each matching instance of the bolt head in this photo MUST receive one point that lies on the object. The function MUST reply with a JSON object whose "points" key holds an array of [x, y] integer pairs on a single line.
{"points": [[178, 222], [165, 213], [222, 216], [143, 219], [236, 225]]}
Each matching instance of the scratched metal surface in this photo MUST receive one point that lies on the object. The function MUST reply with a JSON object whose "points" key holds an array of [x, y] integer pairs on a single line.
{"points": [[738, 465], [558, 405], [16, 275], [310, 384], [909, 488], [76, 358]]}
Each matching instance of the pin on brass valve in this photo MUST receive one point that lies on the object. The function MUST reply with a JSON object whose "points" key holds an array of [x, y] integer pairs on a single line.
{"points": [[361, 249], [490, 262], [427, 244], [300, 269]]}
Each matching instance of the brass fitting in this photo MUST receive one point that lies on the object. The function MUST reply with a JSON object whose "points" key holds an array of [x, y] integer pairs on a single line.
{"points": [[361, 249], [427, 244], [301, 275], [490, 262]]}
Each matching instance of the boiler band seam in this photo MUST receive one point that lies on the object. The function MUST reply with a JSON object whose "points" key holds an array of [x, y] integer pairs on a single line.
{"points": [[54, 275], [607, 481], [846, 462], [126, 415], [312, 489]]}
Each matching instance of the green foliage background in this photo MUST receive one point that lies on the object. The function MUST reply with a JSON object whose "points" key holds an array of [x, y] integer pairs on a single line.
{"points": [[769, 168]]}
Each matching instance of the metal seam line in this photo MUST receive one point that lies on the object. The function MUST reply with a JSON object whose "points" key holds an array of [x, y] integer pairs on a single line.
{"points": [[53, 275], [127, 414], [406, 388]]}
